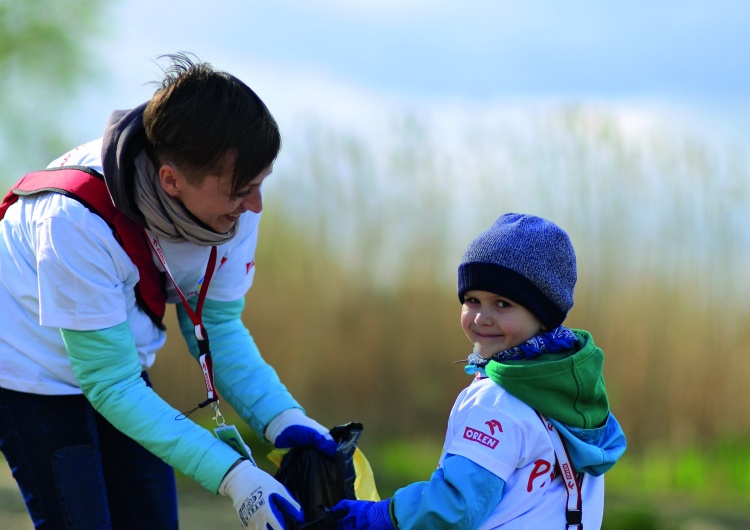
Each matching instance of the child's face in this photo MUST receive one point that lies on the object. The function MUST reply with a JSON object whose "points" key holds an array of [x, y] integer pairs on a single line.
{"points": [[493, 323]]}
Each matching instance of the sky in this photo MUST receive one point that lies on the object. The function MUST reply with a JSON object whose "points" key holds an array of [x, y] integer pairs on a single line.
{"points": [[350, 61]]}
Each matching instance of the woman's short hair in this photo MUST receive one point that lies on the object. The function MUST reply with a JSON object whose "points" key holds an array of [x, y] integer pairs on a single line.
{"points": [[200, 119]]}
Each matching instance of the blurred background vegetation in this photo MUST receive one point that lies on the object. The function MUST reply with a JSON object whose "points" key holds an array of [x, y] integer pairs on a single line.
{"points": [[354, 299]]}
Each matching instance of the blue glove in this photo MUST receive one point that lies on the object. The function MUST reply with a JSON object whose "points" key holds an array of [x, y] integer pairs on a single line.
{"points": [[363, 515], [292, 428], [301, 436]]}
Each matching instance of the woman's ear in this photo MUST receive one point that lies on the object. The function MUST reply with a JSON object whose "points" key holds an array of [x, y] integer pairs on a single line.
{"points": [[170, 180]]}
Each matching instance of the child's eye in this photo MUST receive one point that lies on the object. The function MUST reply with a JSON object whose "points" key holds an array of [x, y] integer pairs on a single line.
{"points": [[470, 300], [503, 304]]}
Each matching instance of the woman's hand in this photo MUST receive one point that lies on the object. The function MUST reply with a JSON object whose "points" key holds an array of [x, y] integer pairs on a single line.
{"points": [[292, 428], [260, 501]]}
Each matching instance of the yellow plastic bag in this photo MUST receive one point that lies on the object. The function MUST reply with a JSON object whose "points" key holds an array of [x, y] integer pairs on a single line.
{"points": [[364, 483]]}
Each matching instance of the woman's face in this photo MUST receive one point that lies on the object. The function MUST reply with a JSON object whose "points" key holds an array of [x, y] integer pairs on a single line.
{"points": [[211, 201]]}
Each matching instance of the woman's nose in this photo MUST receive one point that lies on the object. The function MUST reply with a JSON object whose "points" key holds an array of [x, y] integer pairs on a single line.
{"points": [[253, 202]]}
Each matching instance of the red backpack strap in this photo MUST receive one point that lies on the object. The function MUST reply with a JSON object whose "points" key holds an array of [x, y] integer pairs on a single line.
{"points": [[87, 187], [9, 199]]}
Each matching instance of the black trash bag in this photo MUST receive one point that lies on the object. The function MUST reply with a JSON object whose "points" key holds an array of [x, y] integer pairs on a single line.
{"points": [[318, 481]]}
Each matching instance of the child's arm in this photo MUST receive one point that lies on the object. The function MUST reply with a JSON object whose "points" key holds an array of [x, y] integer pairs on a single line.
{"points": [[460, 495]]}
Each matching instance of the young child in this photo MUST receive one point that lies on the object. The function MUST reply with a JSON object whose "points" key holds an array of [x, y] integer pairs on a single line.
{"points": [[530, 438]]}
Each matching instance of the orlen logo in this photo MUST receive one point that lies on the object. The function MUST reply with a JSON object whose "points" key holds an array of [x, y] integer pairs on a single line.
{"points": [[480, 437], [492, 424]]}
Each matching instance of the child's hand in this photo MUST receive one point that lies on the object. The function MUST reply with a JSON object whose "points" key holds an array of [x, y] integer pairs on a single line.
{"points": [[364, 515]]}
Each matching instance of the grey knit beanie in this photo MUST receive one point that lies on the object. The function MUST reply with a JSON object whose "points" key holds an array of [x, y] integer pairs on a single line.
{"points": [[526, 259]]}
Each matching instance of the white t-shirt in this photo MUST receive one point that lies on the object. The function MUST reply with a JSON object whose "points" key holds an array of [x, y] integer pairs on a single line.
{"points": [[61, 267], [505, 436]]}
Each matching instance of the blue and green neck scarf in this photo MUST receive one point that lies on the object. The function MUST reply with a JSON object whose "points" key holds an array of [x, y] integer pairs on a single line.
{"points": [[558, 340]]}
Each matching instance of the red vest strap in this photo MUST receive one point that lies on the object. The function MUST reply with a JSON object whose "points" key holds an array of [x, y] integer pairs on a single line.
{"points": [[87, 187]]}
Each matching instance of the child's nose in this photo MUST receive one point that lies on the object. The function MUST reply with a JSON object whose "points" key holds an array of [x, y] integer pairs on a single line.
{"points": [[483, 317]]}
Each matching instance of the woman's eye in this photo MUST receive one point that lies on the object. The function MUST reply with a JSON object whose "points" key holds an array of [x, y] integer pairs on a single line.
{"points": [[242, 195]]}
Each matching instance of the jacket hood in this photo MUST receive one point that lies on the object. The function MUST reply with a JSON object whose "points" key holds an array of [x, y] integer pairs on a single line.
{"points": [[568, 386], [124, 138], [593, 451], [569, 389]]}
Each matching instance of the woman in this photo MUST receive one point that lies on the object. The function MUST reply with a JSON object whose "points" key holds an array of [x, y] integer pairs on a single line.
{"points": [[163, 209]]}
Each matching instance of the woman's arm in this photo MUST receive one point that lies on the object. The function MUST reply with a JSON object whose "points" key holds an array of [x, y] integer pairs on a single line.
{"points": [[105, 363], [242, 376]]}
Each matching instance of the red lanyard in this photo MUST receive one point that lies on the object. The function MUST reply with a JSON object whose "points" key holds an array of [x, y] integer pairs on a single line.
{"points": [[573, 481], [195, 316]]}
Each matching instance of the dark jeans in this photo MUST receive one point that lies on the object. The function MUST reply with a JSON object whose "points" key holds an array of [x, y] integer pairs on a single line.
{"points": [[76, 471]]}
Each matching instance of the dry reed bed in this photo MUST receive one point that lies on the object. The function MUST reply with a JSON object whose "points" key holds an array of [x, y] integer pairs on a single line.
{"points": [[354, 299]]}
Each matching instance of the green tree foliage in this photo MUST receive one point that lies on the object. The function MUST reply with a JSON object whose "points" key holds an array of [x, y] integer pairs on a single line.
{"points": [[44, 54]]}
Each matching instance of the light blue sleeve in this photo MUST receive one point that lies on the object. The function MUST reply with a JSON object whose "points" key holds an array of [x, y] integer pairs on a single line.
{"points": [[460, 495], [105, 363], [241, 375]]}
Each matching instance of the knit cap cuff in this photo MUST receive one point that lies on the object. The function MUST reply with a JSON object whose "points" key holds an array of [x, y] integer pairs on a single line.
{"points": [[509, 284]]}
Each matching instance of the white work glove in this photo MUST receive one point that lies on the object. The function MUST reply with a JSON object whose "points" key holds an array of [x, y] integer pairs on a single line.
{"points": [[259, 499], [292, 428]]}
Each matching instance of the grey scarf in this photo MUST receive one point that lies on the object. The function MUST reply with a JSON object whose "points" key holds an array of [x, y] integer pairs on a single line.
{"points": [[165, 215], [134, 186]]}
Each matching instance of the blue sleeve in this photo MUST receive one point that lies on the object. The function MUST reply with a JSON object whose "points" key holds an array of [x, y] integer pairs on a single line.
{"points": [[241, 375], [105, 363], [459, 495]]}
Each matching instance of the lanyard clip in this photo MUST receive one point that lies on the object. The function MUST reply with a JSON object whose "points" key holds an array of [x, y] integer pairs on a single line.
{"points": [[218, 418]]}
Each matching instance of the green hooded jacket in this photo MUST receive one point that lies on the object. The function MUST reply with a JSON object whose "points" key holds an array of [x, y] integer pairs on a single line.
{"points": [[567, 386]]}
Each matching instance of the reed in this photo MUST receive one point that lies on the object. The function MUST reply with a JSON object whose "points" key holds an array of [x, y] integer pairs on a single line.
{"points": [[354, 301]]}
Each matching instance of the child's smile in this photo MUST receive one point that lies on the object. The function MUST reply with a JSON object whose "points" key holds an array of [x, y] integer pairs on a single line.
{"points": [[493, 323]]}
